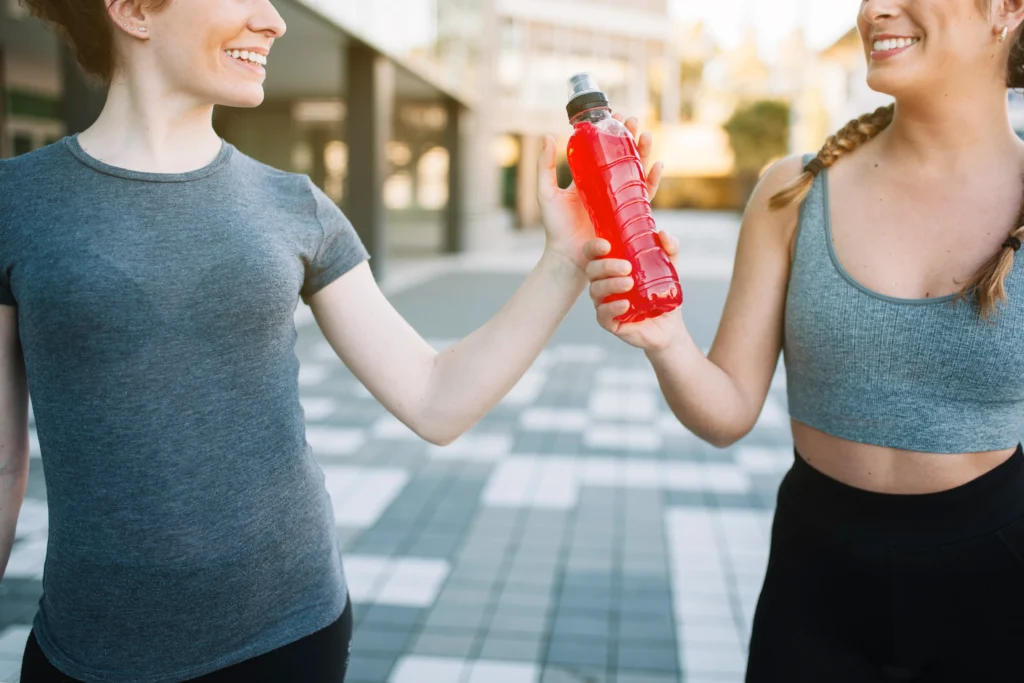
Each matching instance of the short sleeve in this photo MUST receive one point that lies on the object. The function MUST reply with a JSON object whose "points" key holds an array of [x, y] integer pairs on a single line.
{"points": [[340, 249]]}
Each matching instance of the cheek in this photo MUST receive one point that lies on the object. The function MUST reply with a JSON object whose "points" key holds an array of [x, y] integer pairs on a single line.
{"points": [[186, 58], [863, 31]]}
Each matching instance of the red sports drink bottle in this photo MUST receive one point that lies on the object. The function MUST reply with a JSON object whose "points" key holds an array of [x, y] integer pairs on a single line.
{"points": [[609, 177]]}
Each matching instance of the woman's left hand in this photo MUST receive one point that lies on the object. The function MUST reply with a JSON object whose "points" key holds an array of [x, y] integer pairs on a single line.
{"points": [[566, 222]]}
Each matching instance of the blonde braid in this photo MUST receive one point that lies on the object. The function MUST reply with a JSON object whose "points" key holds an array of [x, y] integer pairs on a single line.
{"points": [[850, 137], [989, 283]]}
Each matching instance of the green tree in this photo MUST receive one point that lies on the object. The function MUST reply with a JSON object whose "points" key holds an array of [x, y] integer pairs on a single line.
{"points": [[758, 133]]}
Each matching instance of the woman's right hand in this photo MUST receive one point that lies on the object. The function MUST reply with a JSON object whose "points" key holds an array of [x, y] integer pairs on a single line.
{"points": [[612, 276]]}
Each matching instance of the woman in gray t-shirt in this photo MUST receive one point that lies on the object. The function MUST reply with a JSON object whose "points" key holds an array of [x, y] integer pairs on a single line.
{"points": [[149, 273]]}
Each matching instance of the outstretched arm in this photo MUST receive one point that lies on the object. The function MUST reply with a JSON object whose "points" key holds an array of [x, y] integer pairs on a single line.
{"points": [[718, 397], [441, 395]]}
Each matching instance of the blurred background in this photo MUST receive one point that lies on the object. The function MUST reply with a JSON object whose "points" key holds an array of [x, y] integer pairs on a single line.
{"points": [[579, 533], [442, 104]]}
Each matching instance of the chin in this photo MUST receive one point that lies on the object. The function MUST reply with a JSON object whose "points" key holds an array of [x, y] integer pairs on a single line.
{"points": [[242, 98], [887, 83]]}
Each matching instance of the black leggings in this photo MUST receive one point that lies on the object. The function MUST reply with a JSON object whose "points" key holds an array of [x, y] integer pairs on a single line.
{"points": [[869, 588], [318, 658]]}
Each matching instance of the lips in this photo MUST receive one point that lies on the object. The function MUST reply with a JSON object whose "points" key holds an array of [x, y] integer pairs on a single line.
{"points": [[885, 47]]}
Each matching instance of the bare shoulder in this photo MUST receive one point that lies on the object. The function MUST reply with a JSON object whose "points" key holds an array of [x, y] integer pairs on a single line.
{"points": [[777, 177], [759, 215]]}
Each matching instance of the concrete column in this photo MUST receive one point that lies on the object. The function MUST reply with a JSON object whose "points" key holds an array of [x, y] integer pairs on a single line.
{"points": [[527, 207], [82, 99], [318, 139], [638, 82], [370, 102], [671, 97], [482, 175], [455, 212], [4, 137], [247, 130]]}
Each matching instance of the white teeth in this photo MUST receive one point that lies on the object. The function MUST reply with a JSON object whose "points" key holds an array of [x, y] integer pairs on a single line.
{"points": [[893, 44], [245, 55]]}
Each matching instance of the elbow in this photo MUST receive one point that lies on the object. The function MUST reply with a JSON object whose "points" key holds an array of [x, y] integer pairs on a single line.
{"points": [[733, 427], [724, 440], [442, 429], [723, 436], [436, 434], [440, 439], [721, 441], [15, 462], [730, 436]]}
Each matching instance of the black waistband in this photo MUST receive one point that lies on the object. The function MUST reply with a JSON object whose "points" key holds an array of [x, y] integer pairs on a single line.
{"points": [[980, 506]]}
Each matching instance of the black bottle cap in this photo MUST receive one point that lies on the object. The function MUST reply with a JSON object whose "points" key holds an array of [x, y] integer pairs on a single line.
{"points": [[584, 95]]}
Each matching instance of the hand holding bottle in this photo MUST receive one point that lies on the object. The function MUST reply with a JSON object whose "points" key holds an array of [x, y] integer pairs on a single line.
{"points": [[610, 277], [566, 221]]}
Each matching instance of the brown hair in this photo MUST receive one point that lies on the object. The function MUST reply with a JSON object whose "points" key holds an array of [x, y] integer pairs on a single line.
{"points": [[988, 284], [86, 26]]}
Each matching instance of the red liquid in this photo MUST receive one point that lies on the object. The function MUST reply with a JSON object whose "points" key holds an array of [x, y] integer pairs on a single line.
{"points": [[606, 167]]}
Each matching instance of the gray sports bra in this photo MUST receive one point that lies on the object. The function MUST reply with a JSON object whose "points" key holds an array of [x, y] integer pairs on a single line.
{"points": [[915, 374]]}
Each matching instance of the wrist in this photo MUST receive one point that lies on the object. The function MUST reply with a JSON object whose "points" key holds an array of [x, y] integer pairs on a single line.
{"points": [[676, 344], [560, 266]]}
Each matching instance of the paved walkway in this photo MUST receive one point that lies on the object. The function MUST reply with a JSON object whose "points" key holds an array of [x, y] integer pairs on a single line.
{"points": [[579, 533]]}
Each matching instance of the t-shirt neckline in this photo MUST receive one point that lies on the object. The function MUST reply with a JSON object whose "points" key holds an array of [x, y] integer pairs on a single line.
{"points": [[223, 156]]}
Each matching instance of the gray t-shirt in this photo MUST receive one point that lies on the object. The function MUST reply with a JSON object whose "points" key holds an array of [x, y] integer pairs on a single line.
{"points": [[190, 528]]}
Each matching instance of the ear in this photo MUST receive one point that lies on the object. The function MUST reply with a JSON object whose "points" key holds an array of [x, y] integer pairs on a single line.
{"points": [[1009, 13], [129, 16]]}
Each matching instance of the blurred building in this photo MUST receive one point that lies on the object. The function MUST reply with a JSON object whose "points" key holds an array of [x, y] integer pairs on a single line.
{"points": [[30, 80], [835, 91], [374, 100], [629, 48]]}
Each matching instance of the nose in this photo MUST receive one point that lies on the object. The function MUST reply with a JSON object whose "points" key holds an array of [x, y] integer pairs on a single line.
{"points": [[267, 20], [874, 11]]}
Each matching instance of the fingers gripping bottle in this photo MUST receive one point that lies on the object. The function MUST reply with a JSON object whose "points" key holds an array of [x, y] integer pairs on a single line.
{"points": [[609, 177]]}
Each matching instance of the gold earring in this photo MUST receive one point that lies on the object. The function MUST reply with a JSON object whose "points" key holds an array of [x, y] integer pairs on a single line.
{"points": [[1002, 36]]}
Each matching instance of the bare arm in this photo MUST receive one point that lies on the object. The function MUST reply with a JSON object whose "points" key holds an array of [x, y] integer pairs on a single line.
{"points": [[441, 395], [718, 397], [13, 431]]}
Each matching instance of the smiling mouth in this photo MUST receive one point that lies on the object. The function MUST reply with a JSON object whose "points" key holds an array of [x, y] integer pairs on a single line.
{"points": [[247, 57], [891, 44]]}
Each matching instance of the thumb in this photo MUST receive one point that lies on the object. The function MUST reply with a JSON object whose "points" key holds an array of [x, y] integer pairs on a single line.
{"points": [[547, 171], [671, 246]]}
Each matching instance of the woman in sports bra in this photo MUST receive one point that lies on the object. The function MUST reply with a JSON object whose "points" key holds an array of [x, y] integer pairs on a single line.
{"points": [[886, 270]]}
